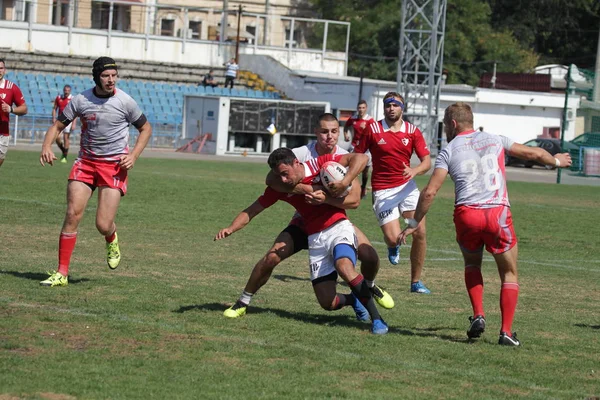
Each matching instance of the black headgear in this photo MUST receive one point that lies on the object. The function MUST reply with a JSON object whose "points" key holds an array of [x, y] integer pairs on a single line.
{"points": [[100, 65]]}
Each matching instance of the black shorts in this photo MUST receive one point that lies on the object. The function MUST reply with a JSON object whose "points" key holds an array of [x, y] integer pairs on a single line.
{"points": [[299, 237]]}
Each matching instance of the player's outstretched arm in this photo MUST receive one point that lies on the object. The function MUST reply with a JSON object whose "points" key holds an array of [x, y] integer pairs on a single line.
{"points": [[425, 200], [47, 155], [241, 220], [561, 160]]}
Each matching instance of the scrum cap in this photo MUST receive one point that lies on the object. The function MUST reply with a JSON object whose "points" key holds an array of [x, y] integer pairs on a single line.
{"points": [[100, 65]]}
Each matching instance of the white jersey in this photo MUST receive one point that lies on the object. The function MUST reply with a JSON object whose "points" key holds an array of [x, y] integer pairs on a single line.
{"points": [[104, 123], [309, 151], [475, 162]]}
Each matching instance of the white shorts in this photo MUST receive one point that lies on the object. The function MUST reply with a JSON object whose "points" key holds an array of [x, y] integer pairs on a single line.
{"points": [[3, 146], [370, 162], [321, 245], [389, 204], [67, 128]]}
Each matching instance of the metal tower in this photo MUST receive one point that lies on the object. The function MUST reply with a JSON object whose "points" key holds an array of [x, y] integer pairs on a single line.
{"points": [[421, 57]]}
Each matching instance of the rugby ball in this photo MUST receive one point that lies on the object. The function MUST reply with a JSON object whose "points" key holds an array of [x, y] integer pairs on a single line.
{"points": [[331, 172]]}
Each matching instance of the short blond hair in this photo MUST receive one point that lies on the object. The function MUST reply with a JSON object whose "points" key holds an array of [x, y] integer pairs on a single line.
{"points": [[461, 113]]}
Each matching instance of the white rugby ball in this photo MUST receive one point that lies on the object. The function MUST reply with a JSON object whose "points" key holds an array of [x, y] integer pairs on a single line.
{"points": [[331, 172]]}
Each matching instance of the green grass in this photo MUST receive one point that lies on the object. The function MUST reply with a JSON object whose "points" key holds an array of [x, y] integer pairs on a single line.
{"points": [[154, 328]]}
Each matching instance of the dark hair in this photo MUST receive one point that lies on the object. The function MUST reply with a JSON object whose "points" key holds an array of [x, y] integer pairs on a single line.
{"points": [[282, 155], [394, 94], [362, 102], [3, 62], [327, 117], [67, 86]]}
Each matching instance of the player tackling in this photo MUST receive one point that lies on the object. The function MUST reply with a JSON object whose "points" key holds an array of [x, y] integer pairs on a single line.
{"points": [[475, 162]]}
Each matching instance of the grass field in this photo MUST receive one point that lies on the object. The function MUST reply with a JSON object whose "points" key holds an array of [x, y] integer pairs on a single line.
{"points": [[154, 328]]}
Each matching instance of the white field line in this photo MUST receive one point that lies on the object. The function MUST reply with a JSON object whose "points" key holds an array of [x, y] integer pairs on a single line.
{"points": [[564, 264]]}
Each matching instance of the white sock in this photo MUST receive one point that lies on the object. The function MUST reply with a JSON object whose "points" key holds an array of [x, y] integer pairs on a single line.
{"points": [[370, 284], [246, 297]]}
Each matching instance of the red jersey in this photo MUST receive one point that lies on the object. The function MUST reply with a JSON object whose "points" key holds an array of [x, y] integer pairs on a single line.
{"points": [[9, 94], [390, 151], [358, 125], [316, 218], [61, 102]]}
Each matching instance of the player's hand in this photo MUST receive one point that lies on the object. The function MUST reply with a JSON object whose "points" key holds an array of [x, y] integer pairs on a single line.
{"points": [[5, 107], [565, 159], [47, 156], [408, 172], [127, 161], [315, 198], [337, 189], [223, 233], [402, 236]]}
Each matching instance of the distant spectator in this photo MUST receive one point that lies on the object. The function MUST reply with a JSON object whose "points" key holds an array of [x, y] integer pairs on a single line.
{"points": [[480, 129], [209, 80], [231, 73]]}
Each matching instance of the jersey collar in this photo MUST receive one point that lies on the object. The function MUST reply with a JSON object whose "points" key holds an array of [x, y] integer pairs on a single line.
{"points": [[386, 127], [468, 132], [2, 83]]}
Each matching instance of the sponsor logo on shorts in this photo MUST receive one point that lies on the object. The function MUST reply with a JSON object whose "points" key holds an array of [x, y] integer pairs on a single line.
{"points": [[384, 214]]}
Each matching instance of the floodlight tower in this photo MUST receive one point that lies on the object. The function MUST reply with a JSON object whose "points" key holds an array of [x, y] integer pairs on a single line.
{"points": [[420, 62]]}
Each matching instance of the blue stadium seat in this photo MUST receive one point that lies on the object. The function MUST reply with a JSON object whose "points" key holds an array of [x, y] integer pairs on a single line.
{"points": [[216, 90]]}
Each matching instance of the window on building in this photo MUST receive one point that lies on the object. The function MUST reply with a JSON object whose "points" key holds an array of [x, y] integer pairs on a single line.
{"points": [[167, 27], [251, 30], [21, 10], [101, 14], [297, 34], [60, 17], [194, 30]]}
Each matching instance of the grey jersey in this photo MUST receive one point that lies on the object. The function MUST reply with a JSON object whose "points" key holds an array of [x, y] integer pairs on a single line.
{"points": [[104, 123], [475, 162], [309, 151]]}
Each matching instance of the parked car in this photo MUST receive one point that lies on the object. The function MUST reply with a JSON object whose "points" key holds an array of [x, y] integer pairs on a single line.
{"points": [[587, 139], [552, 146]]}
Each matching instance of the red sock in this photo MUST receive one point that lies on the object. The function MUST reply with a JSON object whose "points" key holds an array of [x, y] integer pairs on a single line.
{"points": [[111, 238], [66, 244], [474, 283], [509, 294]]}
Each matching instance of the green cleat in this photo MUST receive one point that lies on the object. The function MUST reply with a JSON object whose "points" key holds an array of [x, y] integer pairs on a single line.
{"points": [[382, 297], [55, 279], [63, 159], [113, 254], [235, 311]]}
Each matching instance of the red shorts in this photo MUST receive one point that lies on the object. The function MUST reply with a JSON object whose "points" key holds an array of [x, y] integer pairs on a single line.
{"points": [[492, 227], [100, 173]]}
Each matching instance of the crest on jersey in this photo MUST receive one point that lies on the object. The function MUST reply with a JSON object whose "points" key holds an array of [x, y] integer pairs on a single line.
{"points": [[405, 141], [3, 95]]}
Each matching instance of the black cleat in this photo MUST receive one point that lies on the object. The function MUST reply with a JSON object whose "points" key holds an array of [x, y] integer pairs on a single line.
{"points": [[507, 340], [477, 326]]}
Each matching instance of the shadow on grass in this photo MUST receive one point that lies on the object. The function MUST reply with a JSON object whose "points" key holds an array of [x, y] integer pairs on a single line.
{"points": [[289, 278], [341, 319], [588, 326], [36, 276]]}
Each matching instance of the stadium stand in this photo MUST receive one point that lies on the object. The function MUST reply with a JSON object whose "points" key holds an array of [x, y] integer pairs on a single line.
{"points": [[158, 88]]}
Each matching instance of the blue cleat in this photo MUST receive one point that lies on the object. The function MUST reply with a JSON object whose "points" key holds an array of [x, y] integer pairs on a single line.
{"points": [[419, 287], [361, 312], [394, 255], [379, 327]]}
